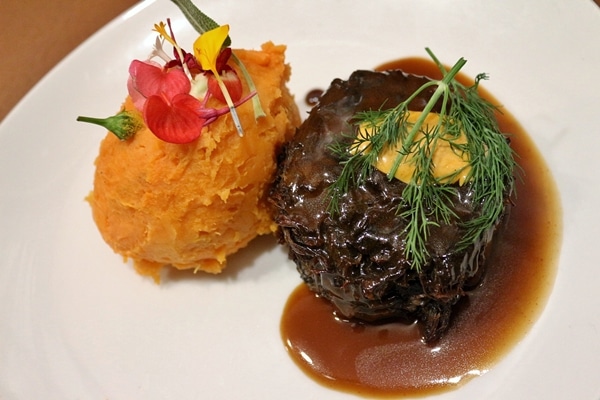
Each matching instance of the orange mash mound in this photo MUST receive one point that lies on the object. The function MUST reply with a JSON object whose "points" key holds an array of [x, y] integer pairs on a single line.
{"points": [[190, 206]]}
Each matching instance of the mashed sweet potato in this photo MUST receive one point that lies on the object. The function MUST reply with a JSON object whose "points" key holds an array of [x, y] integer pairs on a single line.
{"points": [[190, 206]]}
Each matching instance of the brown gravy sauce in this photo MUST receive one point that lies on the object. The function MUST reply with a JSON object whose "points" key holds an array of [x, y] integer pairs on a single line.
{"points": [[312, 97], [390, 360]]}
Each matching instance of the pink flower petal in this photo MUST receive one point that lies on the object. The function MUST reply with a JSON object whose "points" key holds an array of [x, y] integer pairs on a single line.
{"points": [[150, 79], [177, 122], [232, 83], [138, 99]]}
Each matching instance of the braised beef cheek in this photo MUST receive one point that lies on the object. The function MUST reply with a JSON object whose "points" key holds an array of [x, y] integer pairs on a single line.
{"points": [[356, 258]]}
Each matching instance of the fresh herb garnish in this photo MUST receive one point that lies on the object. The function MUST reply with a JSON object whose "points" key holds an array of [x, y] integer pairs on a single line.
{"points": [[426, 199]]}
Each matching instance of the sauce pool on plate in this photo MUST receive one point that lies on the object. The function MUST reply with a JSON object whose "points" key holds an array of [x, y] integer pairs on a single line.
{"points": [[390, 359]]}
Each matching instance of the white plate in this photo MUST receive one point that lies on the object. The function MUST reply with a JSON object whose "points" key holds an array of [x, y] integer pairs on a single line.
{"points": [[75, 322]]}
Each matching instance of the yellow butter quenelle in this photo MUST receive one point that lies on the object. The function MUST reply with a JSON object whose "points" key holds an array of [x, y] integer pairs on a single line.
{"points": [[191, 205], [450, 164]]}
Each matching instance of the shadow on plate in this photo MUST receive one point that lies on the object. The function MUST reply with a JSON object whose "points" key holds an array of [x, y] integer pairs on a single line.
{"points": [[247, 263]]}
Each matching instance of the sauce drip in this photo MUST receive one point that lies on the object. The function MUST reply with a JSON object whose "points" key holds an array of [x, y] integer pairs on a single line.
{"points": [[389, 359], [312, 97]]}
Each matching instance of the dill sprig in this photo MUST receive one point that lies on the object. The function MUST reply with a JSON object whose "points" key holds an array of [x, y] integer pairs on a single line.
{"points": [[426, 199]]}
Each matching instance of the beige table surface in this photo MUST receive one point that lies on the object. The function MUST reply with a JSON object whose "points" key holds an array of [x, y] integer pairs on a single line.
{"points": [[36, 34]]}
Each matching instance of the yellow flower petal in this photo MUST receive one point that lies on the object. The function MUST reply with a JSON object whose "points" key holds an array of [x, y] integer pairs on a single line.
{"points": [[208, 46]]}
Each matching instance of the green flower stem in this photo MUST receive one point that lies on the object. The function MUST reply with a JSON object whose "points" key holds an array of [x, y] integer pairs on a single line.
{"points": [[123, 125], [258, 110], [442, 89]]}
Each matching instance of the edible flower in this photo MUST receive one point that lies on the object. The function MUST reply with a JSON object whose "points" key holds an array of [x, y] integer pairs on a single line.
{"points": [[123, 125], [148, 79], [172, 97], [207, 49]]}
